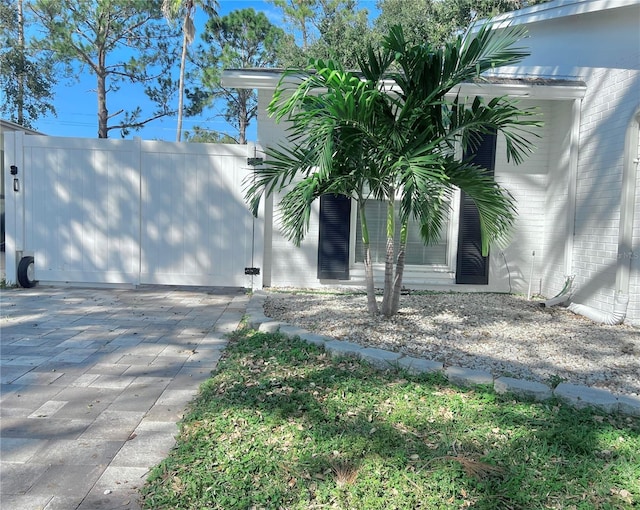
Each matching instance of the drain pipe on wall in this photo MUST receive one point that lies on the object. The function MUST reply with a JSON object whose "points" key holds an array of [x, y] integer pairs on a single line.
{"points": [[625, 233], [611, 319], [533, 259]]}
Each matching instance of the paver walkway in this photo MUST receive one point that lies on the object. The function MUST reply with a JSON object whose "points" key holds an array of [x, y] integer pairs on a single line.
{"points": [[93, 383]]}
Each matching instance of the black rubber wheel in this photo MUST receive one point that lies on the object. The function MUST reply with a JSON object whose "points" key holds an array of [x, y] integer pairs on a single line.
{"points": [[26, 272]]}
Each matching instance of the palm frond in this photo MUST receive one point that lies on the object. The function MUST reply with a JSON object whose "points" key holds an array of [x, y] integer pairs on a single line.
{"points": [[496, 206], [428, 202], [284, 165], [347, 134], [294, 210], [467, 122], [476, 53]]}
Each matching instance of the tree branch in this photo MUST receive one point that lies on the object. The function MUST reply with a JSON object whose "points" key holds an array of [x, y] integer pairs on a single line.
{"points": [[115, 114], [139, 124]]}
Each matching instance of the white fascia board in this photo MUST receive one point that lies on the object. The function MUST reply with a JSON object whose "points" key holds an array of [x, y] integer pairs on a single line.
{"points": [[255, 78], [7, 125], [547, 91], [554, 10], [269, 79]]}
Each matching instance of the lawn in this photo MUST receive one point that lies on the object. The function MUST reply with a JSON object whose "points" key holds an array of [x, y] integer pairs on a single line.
{"points": [[283, 425]]}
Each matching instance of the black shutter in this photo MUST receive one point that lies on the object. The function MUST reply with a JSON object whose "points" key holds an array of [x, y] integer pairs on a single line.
{"points": [[333, 242], [472, 267]]}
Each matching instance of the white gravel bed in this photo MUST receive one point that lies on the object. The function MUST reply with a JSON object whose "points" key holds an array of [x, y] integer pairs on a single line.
{"points": [[504, 334]]}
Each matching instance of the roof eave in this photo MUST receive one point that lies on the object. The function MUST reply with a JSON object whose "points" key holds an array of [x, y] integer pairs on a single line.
{"points": [[253, 78], [269, 79], [552, 11], [7, 125], [554, 92]]}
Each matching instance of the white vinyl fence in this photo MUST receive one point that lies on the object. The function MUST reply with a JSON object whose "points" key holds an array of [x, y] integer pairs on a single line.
{"points": [[130, 211]]}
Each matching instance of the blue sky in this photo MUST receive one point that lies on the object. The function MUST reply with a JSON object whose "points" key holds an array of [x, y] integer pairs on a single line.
{"points": [[76, 103]]}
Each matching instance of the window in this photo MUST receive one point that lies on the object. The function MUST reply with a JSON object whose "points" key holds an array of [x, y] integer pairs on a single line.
{"points": [[417, 253]]}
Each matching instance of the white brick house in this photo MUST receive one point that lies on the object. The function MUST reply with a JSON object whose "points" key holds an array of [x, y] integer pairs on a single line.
{"points": [[578, 195]]}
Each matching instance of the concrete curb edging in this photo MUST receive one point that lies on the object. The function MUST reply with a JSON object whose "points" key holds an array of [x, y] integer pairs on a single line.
{"points": [[573, 395]]}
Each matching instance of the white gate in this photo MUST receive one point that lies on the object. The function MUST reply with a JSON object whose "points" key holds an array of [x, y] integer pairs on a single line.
{"points": [[130, 211]]}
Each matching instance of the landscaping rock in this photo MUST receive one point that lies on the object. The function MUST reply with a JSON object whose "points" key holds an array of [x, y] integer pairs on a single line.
{"points": [[629, 404], [467, 376], [270, 327], [380, 358], [313, 338], [340, 348], [292, 331], [419, 365], [480, 331], [255, 320], [583, 396], [524, 389]]}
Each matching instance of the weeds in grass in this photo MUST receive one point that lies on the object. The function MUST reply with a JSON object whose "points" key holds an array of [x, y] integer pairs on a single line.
{"points": [[473, 468], [555, 380], [283, 425], [345, 473]]}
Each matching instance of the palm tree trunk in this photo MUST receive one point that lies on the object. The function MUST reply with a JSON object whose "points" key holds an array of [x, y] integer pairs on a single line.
{"points": [[388, 260], [397, 283], [372, 304], [183, 61]]}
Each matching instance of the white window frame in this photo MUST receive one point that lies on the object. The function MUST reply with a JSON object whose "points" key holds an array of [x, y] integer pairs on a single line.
{"points": [[452, 242], [452, 245]]}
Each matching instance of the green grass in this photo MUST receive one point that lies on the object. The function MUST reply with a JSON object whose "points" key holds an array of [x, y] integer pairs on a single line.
{"points": [[5, 285], [283, 425]]}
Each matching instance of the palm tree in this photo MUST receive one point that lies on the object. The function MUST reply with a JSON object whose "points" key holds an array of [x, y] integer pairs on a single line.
{"points": [[173, 9], [390, 133]]}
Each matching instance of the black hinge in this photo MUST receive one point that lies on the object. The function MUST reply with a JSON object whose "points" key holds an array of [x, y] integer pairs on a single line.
{"points": [[253, 271]]}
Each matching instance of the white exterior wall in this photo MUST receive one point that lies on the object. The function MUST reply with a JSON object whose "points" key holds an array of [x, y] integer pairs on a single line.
{"points": [[539, 186], [602, 48], [557, 213], [612, 98], [568, 46], [292, 266], [285, 264], [569, 191], [633, 312]]}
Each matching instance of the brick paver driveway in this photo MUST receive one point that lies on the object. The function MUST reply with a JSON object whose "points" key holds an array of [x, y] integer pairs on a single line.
{"points": [[93, 383]]}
